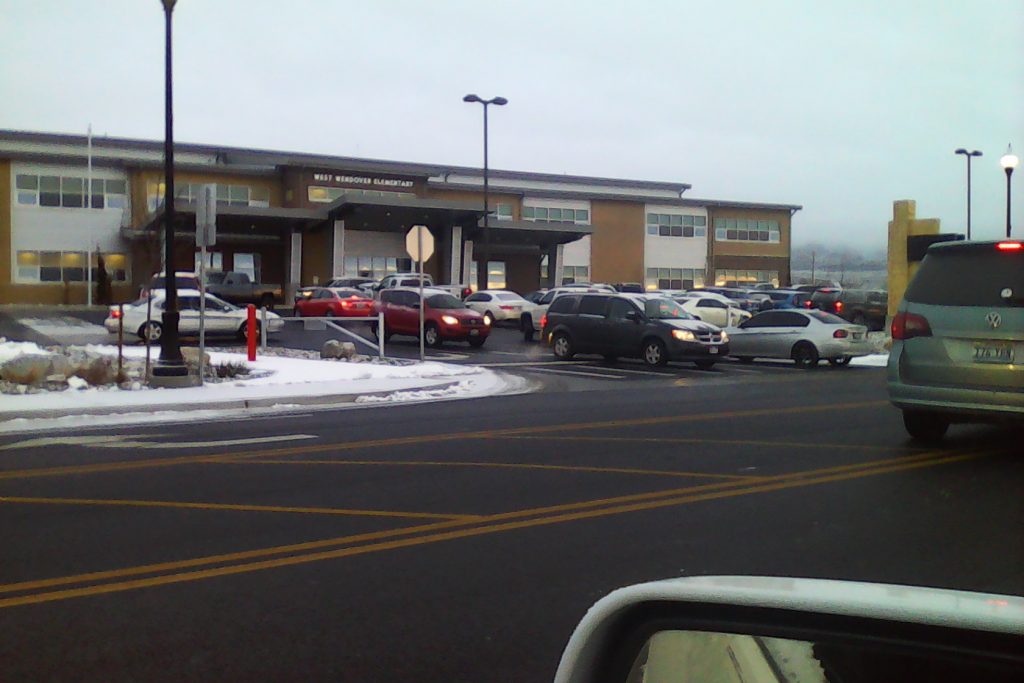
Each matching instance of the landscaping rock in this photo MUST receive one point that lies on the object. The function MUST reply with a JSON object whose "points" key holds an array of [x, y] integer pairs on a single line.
{"points": [[97, 372], [25, 370], [191, 356], [334, 349], [60, 365]]}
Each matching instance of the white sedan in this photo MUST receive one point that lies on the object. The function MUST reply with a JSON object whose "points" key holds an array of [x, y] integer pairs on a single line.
{"points": [[806, 337], [498, 304], [712, 309], [222, 318]]}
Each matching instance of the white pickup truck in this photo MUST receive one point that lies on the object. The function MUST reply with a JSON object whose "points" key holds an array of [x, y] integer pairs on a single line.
{"points": [[413, 280]]}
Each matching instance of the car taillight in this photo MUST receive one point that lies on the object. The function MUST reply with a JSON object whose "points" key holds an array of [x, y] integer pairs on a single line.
{"points": [[544, 321], [808, 304], [840, 334], [839, 307], [346, 304], [1010, 246], [115, 313], [506, 308], [466, 291], [910, 325]]}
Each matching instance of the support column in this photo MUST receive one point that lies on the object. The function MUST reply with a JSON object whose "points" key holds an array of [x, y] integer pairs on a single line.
{"points": [[294, 269], [338, 250], [467, 260], [555, 260], [455, 262]]}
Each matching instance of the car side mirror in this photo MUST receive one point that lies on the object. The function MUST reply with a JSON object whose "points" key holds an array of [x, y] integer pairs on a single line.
{"points": [[748, 628], [634, 316]]}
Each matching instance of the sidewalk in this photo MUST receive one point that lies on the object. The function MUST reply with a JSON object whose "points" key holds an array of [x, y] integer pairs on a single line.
{"points": [[275, 384]]}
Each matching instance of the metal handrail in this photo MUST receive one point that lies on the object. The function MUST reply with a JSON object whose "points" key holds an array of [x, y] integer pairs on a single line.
{"points": [[332, 322]]}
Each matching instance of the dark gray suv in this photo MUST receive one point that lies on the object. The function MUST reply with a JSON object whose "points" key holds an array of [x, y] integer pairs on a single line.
{"points": [[650, 327]]}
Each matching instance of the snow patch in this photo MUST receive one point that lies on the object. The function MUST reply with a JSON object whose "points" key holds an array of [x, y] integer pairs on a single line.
{"points": [[874, 360]]}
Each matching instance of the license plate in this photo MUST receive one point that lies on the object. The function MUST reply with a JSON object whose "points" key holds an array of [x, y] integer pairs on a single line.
{"points": [[993, 353], [473, 333], [713, 350]]}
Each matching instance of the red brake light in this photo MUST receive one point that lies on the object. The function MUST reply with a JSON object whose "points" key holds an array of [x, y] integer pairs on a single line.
{"points": [[840, 334], [505, 308], [808, 304], [839, 307], [1009, 246], [909, 325], [115, 313], [544, 321]]}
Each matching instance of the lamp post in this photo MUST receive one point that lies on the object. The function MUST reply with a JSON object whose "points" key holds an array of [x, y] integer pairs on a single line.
{"points": [[482, 276], [1009, 162], [974, 153], [170, 370]]}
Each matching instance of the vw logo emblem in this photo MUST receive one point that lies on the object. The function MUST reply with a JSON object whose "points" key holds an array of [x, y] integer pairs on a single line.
{"points": [[993, 320]]}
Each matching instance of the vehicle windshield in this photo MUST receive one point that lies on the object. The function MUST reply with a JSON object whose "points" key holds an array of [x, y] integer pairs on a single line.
{"points": [[444, 301], [827, 318], [507, 296], [215, 278], [780, 296], [348, 293], [982, 276], [665, 309]]}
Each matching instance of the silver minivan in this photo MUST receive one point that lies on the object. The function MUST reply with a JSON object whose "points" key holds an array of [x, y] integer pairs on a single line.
{"points": [[958, 338]]}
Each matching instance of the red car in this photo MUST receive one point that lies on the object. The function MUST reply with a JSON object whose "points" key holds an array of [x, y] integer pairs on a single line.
{"points": [[333, 302], [445, 317]]}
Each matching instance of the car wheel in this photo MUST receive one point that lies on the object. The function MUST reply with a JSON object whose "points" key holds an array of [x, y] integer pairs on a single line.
{"points": [[526, 324], [155, 331], [653, 353], [925, 426], [488, 318], [805, 355], [840, 362], [267, 301], [432, 336], [243, 331], [329, 313], [477, 342], [561, 345], [746, 360], [704, 364]]}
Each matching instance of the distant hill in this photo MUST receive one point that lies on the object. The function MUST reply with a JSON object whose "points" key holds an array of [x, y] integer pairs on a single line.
{"points": [[837, 258]]}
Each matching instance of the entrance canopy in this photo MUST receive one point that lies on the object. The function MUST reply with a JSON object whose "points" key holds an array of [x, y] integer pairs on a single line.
{"points": [[399, 213], [234, 223]]}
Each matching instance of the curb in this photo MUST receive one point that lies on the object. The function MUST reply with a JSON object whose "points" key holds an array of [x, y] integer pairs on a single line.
{"points": [[235, 404]]}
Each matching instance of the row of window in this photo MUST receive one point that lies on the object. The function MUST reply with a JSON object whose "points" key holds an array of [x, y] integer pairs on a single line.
{"points": [[495, 275], [555, 215], [570, 274], [376, 267], [742, 230], [326, 195], [730, 278], [674, 278], [68, 266], [227, 195], [70, 192]]}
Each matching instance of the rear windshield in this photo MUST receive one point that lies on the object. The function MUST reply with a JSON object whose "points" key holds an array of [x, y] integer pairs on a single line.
{"points": [[349, 294], [968, 277], [827, 318], [180, 282], [214, 278], [665, 309], [827, 296], [444, 301], [507, 296], [779, 296]]}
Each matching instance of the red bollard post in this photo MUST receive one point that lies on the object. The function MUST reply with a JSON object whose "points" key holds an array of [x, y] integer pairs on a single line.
{"points": [[251, 332]]}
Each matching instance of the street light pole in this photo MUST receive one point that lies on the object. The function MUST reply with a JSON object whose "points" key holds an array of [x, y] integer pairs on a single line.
{"points": [[974, 153], [483, 275], [170, 369], [1009, 162]]}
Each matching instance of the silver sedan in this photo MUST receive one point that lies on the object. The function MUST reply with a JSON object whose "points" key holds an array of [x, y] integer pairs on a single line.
{"points": [[803, 336]]}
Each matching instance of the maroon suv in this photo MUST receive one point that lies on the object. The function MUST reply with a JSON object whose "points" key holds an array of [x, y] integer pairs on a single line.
{"points": [[445, 317]]}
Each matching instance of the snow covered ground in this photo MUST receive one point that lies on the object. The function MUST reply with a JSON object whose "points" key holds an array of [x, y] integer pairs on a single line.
{"points": [[875, 360], [69, 330], [282, 383]]}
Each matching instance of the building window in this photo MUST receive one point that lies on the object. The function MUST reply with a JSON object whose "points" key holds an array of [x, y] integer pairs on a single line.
{"points": [[574, 274], [227, 195], [673, 278], [495, 275], [49, 190], [503, 212], [556, 215], [67, 266], [376, 267], [28, 190], [734, 278], [744, 230], [326, 195], [676, 225], [70, 192]]}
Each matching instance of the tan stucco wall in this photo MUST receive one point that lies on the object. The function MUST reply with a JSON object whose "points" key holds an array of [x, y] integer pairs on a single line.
{"points": [[494, 198], [140, 178], [522, 273], [617, 245]]}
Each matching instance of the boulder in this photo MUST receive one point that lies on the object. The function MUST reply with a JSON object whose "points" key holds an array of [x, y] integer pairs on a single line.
{"points": [[60, 365], [191, 356], [27, 369], [98, 371], [334, 349]]}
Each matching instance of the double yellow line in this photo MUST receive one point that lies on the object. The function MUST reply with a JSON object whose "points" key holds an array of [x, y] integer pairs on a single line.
{"points": [[145, 576]]}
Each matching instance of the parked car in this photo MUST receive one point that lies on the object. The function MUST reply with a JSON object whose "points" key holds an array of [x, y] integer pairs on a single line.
{"points": [[744, 298], [805, 336], [238, 288], [530, 320], [222, 318], [535, 296], [446, 317], [629, 287], [868, 307], [655, 329], [182, 280], [958, 338], [341, 302], [498, 305], [713, 308], [784, 299], [807, 288], [352, 282], [413, 280]]}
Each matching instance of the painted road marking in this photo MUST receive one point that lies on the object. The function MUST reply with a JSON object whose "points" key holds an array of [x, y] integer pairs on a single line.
{"points": [[505, 465], [532, 363], [229, 506], [430, 438], [131, 441], [574, 373], [699, 440], [485, 526], [668, 374]]}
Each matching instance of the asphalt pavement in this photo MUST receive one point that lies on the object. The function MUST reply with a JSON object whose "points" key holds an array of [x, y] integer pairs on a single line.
{"points": [[462, 541]]}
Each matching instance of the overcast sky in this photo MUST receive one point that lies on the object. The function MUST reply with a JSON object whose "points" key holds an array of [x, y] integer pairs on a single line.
{"points": [[840, 106]]}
